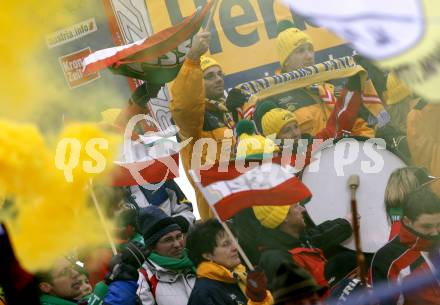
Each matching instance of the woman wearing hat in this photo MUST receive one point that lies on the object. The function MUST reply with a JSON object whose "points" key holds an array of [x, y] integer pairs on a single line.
{"points": [[221, 278], [271, 120]]}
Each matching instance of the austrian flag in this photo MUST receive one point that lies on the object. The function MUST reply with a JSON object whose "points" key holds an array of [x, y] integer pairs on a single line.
{"points": [[147, 163], [155, 59], [228, 192]]}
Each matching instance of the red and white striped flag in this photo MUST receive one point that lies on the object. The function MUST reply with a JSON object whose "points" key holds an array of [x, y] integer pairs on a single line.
{"points": [[230, 191], [145, 172], [150, 161], [156, 59]]}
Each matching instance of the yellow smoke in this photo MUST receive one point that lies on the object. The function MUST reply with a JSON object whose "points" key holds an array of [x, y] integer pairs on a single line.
{"points": [[49, 216], [31, 80], [46, 216], [22, 28]]}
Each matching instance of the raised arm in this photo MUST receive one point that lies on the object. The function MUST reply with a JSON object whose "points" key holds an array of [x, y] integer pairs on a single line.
{"points": [[188, 93]]}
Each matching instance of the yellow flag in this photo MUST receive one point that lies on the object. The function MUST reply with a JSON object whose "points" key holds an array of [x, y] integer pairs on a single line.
{"points": [[399, 35], [419, 65]]}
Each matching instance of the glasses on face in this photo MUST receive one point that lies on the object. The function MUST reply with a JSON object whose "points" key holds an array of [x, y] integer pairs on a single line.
{"points": [[171, 240], [67, 271]]}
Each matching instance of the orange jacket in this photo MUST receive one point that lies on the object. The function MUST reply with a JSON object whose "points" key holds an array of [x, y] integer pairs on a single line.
{"points": [[189, 111], [313, 118], [423, 128]]}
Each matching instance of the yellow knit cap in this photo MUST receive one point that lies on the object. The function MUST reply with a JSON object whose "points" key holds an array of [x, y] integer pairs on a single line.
{"points": [[271, 216], [396, 90], [274, 120], [254, 147], [206, 62], [288, 40]]}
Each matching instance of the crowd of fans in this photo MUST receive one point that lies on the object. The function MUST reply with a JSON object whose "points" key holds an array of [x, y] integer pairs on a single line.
{"points": [[166, 257]]}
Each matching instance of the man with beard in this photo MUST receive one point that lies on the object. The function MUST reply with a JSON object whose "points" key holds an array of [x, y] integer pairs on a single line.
{"points": [[414, 251]]}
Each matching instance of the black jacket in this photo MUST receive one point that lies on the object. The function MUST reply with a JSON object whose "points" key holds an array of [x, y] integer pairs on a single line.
{"points": [[276, 244], [210, 292]]}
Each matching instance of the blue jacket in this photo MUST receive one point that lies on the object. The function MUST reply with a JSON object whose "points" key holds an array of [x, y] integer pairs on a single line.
{"points": [[121, 292]]}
